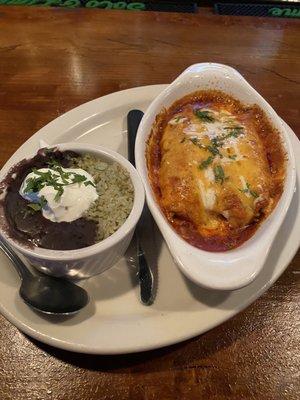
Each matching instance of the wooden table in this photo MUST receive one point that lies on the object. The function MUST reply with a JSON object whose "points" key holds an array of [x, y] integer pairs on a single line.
{"points": [[52, 60]]}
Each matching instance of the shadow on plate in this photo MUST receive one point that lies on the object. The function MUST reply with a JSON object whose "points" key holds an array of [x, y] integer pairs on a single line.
{"points": [[211, 298]]}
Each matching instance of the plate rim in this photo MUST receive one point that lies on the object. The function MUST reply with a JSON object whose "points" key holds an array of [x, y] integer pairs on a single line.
{"points": [[82, 348]]}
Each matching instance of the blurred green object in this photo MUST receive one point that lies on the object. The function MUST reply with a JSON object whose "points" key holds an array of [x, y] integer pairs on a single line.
{"points": [[105, 4]]}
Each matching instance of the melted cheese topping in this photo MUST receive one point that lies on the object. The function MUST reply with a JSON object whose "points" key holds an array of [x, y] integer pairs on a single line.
{"points": [[213, 173]]}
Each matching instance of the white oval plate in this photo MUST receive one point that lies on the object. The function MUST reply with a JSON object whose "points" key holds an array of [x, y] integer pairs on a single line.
{"points": [[115, 322]]}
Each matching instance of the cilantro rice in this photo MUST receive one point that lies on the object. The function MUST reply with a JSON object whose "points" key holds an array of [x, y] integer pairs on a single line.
{"points": [[115, 190]]}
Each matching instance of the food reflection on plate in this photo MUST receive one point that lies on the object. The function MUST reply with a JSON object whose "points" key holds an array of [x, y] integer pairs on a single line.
{"points": [[216, 167]]}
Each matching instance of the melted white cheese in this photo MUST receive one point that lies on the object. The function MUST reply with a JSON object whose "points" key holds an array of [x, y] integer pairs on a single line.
{"points": [[232, 145], [177, 120], [193, 130], [244, 186], [215, 129], [225, 214], [209, 174], [259, 198], [208, 196]]}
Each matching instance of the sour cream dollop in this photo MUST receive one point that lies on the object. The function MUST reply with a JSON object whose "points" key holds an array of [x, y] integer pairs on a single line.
{"points": [[71, 204]]}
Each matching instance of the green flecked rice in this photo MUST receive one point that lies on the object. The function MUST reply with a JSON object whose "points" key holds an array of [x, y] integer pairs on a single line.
{"points": [[115, 191]]}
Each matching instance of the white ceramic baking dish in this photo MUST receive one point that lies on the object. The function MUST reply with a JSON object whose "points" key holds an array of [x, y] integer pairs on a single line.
{"points": [[238, 267]]}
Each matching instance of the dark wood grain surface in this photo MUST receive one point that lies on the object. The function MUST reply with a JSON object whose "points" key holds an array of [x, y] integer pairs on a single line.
{"points": [[52, 60]]}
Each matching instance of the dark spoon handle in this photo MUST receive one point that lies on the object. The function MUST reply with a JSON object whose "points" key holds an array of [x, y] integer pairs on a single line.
{"points": [[16, 261]]}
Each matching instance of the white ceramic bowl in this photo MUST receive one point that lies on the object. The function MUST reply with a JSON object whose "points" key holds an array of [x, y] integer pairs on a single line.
{"points": [[91, 260], [217, 270]]}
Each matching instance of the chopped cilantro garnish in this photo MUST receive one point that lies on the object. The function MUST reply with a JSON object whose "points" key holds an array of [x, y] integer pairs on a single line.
{"points": [[214, 150], [39, 205], [63, 174], [77, 178], [206, 162], [89, 183], [235, 132], [34, 185], [219, 174], [51, 178], [60, 191], [217, 142], [205, 116], [30, 185], [249, 190], [48, 150], [233, 127], [34, 206], [43, 201], [253, 193], [53, 163], [196, 142]]}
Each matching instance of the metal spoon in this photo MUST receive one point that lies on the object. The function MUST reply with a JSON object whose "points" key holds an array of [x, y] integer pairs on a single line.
{"points": [[45, 293]]}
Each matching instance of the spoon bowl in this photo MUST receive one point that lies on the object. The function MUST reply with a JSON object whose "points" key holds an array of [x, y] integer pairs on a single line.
{"points": [[45, 293], [53, 295]]}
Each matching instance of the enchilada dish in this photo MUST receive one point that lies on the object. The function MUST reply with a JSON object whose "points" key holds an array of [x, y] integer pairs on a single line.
{"points": [[216, 167]]}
